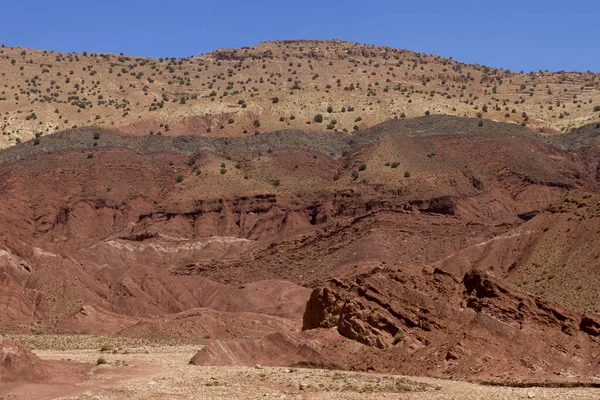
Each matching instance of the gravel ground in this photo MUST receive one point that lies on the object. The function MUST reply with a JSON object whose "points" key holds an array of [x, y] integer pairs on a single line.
{"points": [[159, 371]]}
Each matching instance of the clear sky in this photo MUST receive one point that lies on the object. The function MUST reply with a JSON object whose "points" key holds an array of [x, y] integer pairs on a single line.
{"points": [[518, 35]]}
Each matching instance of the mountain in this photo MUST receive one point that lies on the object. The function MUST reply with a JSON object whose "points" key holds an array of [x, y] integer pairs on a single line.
{"points": [[439, 228], [276, 85], [303, 203]]}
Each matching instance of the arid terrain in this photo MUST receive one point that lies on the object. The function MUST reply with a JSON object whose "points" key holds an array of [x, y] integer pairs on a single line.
{"points": [[276, 85], [409, 256]]}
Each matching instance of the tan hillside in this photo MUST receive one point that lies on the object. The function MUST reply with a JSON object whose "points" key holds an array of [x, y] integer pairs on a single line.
{"points": [[276, 85]]}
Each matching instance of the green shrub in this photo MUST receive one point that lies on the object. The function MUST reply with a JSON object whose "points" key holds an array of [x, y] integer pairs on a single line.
{"points": [[179, 178], [106, 347], [362, 167], [318, 118], [406, 174], [101, 361], [399, 337]]}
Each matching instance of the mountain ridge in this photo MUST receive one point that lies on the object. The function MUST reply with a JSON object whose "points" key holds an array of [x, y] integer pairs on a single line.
{"points": [[317, 85]]}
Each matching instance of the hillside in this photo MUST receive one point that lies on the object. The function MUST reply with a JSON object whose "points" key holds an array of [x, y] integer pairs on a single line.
{"points": [[276, 85], [408, 247]]}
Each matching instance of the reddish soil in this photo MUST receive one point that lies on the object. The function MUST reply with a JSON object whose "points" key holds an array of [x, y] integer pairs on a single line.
{"points": [[365, 252], [25, 375]]}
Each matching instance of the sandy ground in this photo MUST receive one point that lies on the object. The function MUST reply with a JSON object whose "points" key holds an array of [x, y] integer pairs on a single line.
{"points": [[145, 370]]}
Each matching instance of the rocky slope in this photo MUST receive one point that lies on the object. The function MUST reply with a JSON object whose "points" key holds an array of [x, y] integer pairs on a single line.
{"points": [[276, 85], [221, 241]]}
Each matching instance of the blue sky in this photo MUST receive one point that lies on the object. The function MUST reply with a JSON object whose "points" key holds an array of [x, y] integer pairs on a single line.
{"points": [[519, 35]]}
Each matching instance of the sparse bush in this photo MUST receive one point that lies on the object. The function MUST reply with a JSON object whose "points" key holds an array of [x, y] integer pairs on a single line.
{"points": [[318, 118], [395, 164], [399, 337], [362, 167], [355, 175], [101, 361], [223, 171], [179, 178], [106, 347], [336, 177], [406, 174], [275, 182]]}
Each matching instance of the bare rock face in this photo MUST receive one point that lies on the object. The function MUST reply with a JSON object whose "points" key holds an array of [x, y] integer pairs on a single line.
{"points": [[590, 324], [353, 319], [277, 349], [489, 295], [424, 320], [19, 363]]}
